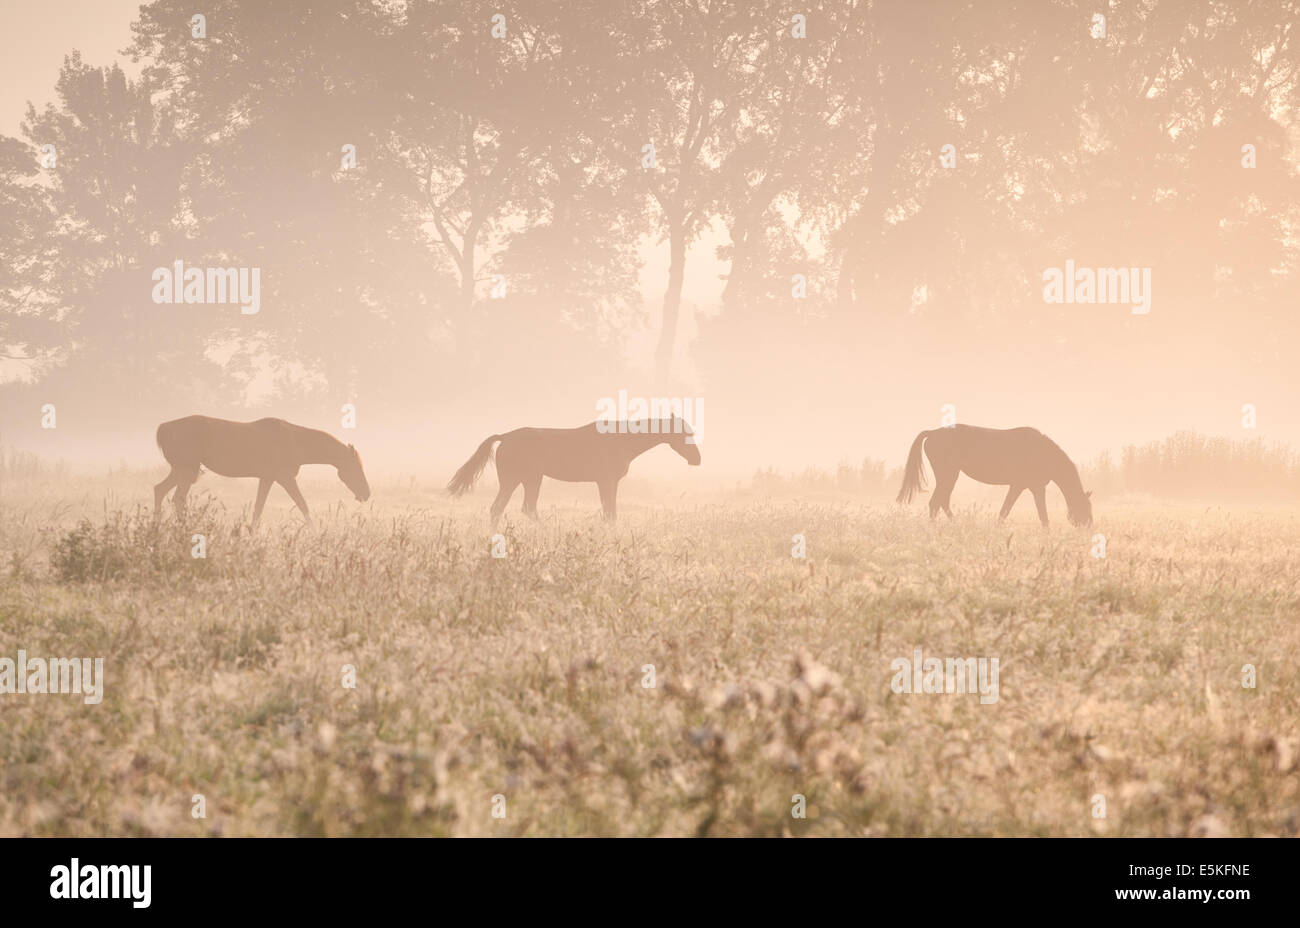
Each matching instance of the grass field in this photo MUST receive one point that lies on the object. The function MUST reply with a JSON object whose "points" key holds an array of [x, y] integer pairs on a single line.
{"points": [[516, 685]]}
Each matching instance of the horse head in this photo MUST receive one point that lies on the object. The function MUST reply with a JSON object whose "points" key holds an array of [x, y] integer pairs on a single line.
{"points": [[683, 441], [1081, 509], [353, 477]]}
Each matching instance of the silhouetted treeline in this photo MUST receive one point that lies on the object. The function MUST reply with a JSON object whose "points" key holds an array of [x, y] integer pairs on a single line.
{"points": [[1196, 466]]}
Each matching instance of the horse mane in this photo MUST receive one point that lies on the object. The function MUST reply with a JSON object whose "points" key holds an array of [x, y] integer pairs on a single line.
{"points": [[320, 440], [1070, 474]]}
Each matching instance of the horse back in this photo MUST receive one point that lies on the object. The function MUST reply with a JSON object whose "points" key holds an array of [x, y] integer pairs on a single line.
{"points": [[233, 449], [998, 456], [980, 432], [575, 454]]}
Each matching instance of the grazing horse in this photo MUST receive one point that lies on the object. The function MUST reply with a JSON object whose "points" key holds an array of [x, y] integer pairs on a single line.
{"points": [[270, 449], [1024, 458], [596, 452]]}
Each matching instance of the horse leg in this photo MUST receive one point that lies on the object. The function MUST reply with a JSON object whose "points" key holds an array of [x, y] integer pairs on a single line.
{"points": [[184, 480], [609, 498], [1040, 500], [290, 485], [499, 504], [944, 480], [160, 492], [532, 487], [263, 488], [1013, 494]]}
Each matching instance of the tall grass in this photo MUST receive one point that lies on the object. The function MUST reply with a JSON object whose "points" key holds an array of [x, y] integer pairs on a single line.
{"points": [[524, 677]]}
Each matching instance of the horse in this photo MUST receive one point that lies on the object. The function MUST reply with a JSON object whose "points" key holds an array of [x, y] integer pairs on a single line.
{"points": [[1024, 458], [270, 449], [599, 452]]}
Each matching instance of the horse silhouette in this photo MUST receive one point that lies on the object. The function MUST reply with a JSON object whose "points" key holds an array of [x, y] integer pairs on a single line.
{"points": [[1024, 458], [597, 452], [270, 449]]}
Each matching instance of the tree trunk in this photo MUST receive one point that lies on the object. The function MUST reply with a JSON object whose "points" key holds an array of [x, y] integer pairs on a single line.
{"points": [[672, 304], [733, 293], [865, 228], [844, 285], [469, 246]]}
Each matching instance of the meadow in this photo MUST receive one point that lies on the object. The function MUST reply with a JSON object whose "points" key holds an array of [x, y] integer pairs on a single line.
{"points": [[678, 673]]}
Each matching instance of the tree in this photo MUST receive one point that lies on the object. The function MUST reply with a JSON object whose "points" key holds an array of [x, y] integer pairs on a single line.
{"points": [[690, 77]]}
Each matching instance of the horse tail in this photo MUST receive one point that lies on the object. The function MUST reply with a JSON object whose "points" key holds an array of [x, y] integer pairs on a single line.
{"points": [[469, 472], [913, 471]]}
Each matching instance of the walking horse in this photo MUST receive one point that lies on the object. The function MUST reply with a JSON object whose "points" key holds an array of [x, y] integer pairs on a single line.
{"points": [[1022, 459], [599, 452], [270, 449]]}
